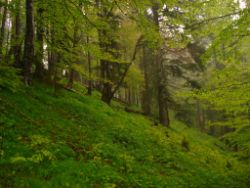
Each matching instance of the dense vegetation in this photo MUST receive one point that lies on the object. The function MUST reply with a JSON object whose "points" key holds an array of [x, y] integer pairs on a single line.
{"points": [[124, 93], [77, 141]]}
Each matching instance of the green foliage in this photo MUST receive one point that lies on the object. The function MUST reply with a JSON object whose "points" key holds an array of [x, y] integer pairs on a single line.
{"points": [[9, 78], [77, 141], [134, 77]]}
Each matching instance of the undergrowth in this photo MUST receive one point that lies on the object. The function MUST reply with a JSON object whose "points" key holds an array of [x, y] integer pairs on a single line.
{"points": [[72, 140]]}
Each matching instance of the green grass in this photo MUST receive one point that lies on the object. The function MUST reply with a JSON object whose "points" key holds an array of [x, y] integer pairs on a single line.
{"points": [[71, 140]]}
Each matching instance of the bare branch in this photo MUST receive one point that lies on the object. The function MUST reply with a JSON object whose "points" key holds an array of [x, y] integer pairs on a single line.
{"points": [[197, 24]]}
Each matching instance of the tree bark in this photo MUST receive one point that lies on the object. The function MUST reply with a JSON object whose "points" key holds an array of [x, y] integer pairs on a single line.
{"points": [[51, 64], [71, 79], [52, 54], [109, 44], [163, 105], [90, 71], [107, 87], [39, 71], [2, 32], [75, 41], [8, 45], [146, 96], [29, 42], [161, 78], [105, 43], [200, 116], [17, 47]]}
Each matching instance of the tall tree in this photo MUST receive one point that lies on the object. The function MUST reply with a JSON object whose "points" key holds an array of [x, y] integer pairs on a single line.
{"points": [[28, 58], [17, 40], [162, 97], [3, 28], [90, 85], [147, 94], [40, 29]]}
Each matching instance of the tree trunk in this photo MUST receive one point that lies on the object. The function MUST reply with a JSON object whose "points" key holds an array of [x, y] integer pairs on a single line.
{"points": [[29, 42], [163, 107], [2, 34], [39, 71], [9, 40], [71, 79], [200, 116], [146, 96], [105, 74], [105, 41], [51, 65], [52, 55], [17, 47], [107, 87], [90, 71], [75, 41], [161, 77]]}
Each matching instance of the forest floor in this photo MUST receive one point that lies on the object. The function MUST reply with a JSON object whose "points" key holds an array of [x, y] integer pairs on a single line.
{"points": [[72, 140]]}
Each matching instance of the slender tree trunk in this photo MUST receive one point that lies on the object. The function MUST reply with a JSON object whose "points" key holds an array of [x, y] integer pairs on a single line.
{"points": [[200, 116], [29, 42], [107, 94], [76, 39], [52, 54], [71, 79], [39, 71], [2, 32], [107, 44], [56, 75], [146, 96], [107, 87], [9, 40], [162, 103], [17, 43], [162, 90], [127, 95], [72, 74], [90, 71], [52, 59]]}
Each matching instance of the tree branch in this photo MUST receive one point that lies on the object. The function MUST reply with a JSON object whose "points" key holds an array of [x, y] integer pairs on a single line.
{"points": [[195, 25], [128, 66]]}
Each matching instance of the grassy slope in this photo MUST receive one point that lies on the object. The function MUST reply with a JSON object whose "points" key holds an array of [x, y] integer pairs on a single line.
{"points": [[78, 141]]}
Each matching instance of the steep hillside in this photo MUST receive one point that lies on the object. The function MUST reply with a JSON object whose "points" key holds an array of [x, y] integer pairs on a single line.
{"points": [[72, 140]]}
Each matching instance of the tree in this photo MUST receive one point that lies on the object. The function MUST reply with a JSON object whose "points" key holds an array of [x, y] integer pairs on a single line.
{"points": [[2, 32], [39, 52], [162, 91], [17, 40], [28, 58]]}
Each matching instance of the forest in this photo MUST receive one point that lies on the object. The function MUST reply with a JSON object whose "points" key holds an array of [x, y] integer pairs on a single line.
{"points": [[125, 93]]}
